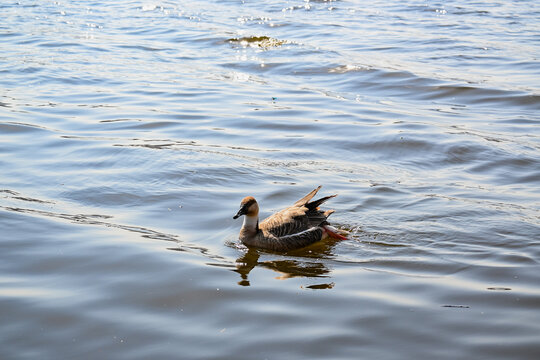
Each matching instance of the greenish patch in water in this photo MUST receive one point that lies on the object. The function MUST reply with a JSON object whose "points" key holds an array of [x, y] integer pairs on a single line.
{"points": [[263, 42]]}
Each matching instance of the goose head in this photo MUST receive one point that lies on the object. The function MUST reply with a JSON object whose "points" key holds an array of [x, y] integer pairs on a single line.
{"points": [[248, 207]]}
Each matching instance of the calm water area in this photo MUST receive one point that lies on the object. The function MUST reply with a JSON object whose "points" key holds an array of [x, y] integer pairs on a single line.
{"points": [[130, 131]]}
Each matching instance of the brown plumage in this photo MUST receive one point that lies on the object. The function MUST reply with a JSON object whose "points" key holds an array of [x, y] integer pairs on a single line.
{"points": [[297, 226]]}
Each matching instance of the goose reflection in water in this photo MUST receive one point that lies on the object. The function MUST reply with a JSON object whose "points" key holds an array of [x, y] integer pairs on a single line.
{"points": [[308, 262]]}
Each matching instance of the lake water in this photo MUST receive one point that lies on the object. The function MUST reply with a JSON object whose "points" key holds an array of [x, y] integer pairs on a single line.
{"points": [[130, 131]]}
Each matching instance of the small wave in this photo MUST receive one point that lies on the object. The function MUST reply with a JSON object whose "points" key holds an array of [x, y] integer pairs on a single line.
{"points": [[407, 84], [16, 127], [17, 196], [510, 169], [142, 47]]}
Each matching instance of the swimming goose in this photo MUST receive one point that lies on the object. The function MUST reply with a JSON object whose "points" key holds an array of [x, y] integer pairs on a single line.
{"points": [[292, 228]]}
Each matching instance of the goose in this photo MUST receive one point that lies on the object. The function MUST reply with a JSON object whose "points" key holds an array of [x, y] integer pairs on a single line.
{"points": [[292, 228]]}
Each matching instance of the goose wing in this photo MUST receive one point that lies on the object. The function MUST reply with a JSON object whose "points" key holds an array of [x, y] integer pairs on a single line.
{"points": [[301, 216], [286, 222]]}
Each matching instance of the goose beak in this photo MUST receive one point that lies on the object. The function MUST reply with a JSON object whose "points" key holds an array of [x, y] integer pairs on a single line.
{"points": [[240, 212]]}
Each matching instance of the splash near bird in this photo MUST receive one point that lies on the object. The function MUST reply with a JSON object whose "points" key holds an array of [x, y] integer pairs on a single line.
{"points": [[295, 227]]}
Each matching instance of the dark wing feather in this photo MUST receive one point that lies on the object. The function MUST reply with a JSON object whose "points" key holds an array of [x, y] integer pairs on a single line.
{"points": [[315, 204], [316, 217], [296, 241]]}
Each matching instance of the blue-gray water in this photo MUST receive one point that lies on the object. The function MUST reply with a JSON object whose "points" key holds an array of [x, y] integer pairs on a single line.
{"points": [[131, 130]]}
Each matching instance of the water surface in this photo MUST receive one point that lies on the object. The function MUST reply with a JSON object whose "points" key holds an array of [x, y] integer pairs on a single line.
{"points": [[129, 133]]}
